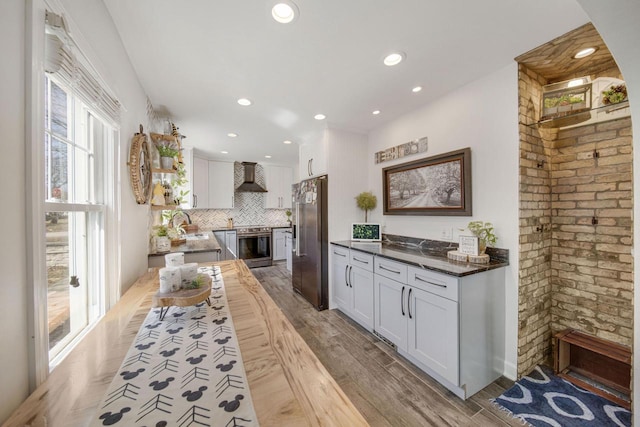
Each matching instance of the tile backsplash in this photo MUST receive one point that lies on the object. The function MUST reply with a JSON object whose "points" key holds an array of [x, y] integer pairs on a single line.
{"points": [[249, 207]]}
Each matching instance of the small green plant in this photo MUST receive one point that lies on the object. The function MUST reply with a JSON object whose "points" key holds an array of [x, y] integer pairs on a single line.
{"points": [[167, 151], [195, 283], [484, 232], [366, 201], [288, 214], [161, 231], [615, 94]]}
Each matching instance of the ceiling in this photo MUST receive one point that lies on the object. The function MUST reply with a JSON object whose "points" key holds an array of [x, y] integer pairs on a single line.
{"points": [[195, 58]]}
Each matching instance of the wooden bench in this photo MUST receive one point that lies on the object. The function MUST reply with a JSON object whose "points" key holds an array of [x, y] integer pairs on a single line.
{"points": [[600, 366]]}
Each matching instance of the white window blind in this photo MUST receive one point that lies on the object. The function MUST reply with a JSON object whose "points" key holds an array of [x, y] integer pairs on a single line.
{"points": [[62, 60]]}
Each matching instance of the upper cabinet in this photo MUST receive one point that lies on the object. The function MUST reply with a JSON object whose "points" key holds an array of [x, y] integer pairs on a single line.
{"points": [[278, 181], [313, 158], [221, 185], [200, 183]]}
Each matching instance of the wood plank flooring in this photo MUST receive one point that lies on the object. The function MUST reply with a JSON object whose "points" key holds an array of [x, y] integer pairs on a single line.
{"points": [[386, 388]]}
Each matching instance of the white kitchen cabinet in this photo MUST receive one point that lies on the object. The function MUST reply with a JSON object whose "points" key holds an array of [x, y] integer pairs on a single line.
{"points": [[200, 184], [352, 286], [313, 158], [390, 310], [278, 237], [221, 185], [227, 239], [433, 331], [288, 249], [278, 181]]}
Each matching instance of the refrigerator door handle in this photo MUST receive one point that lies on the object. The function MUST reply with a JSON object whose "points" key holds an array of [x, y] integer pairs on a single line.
{"points": [[297, 230]]}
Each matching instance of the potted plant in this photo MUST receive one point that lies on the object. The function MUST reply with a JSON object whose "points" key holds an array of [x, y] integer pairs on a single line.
{"points": [[288, 214], [366, 201], [484, 232], [167, 154], [615, 94], [163, 244]]}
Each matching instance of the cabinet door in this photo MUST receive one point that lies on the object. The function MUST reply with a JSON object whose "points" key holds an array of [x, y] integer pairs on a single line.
{"points": [[220, 185], [390, 310], [288, 247], [361, 282], [231, 251], [433, 333], [286, 175], [200, 192], [221, 237], [278, 238], [339, 285], [273, 182]]}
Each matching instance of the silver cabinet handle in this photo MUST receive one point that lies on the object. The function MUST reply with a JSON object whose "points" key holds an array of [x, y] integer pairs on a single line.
{"points": [[346, 280], [232, 202], [420, 279], [361, 260], [338, 253], [409, 303], [402, 301], [350, 269], [382, 267], [311, 167], [195, 201]]}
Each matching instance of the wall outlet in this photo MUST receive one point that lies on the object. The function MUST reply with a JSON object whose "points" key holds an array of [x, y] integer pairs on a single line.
{"points": [[446, 233]]}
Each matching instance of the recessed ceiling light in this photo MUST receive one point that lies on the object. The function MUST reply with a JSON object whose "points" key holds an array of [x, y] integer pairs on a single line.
{"points": [[416, 89], [319, 117], [224, 152], [376, 112], [284, 12], [584, 53], [267, 157], [577, 82], [244, 102], [394, 58], [286, 142], [232, 135]]}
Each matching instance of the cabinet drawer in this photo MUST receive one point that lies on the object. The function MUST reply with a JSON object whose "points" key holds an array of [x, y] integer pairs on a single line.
{"points": [[340, 252], [391, 269], [361, 259], [435, 283]]}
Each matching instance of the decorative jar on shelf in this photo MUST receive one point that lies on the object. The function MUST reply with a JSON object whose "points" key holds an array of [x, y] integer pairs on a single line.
{"points": [[166, 162]]}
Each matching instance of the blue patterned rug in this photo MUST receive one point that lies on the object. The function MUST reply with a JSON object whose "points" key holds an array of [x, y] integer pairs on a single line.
{"points": [[542, 399]]}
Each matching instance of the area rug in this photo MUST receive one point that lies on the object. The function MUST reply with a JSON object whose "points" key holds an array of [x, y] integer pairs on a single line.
{"points": [[185, 370], [542, 399]]}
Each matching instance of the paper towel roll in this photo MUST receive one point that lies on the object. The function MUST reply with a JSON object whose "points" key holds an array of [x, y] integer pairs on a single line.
{"points": [[170, 279], [175, 259], [188, 272]]}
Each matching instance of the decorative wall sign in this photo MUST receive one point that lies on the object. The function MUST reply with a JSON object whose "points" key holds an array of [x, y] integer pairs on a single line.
{"points": [[469, 245], [439, 185], [403, 150]]}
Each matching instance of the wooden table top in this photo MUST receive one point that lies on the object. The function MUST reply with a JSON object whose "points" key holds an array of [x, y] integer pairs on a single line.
{"points": [[289, 386]]}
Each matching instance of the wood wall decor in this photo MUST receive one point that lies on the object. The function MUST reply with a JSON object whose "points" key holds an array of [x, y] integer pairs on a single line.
{"points": [[140, 167], [403, 150]]}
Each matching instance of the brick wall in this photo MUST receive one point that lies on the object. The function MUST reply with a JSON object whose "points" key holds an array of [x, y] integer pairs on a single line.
{"points": [[591, 264], [534, 291]]}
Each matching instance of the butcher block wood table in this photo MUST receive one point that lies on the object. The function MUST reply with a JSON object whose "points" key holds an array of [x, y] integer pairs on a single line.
{"points": [[289, 385]]}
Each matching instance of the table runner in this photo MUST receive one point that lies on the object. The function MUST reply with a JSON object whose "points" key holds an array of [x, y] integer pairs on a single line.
{"points": [[183, 371]]}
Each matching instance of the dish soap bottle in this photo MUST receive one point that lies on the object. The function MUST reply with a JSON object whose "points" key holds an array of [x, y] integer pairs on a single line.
{"points": [[230, 223]]}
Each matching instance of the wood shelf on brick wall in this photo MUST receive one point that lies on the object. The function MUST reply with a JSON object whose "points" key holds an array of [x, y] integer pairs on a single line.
{"points": [[600, 366]]}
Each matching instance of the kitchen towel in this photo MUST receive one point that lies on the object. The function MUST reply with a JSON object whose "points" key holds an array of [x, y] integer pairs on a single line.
{"points": [[175, 259]]}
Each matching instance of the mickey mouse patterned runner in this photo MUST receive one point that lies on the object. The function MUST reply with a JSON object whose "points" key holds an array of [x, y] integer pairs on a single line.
{"points": [[183, 371]]}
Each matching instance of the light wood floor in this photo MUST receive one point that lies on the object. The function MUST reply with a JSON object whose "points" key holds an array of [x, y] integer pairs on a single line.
{"points": [[384, 387]]}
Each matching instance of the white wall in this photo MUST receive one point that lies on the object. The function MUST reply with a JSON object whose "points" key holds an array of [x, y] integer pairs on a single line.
{"points": [[482, 115], [619, 29], [109, 57], [13, 290]]}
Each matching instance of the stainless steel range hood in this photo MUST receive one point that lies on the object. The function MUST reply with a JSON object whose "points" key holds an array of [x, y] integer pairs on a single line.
{"points": [[249, 184]]}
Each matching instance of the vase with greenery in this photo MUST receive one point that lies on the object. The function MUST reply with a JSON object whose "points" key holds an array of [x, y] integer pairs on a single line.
{"points": [[615, 94], [167, 154], [162, 239], [366, 201], [484, 232], [288, 214]]}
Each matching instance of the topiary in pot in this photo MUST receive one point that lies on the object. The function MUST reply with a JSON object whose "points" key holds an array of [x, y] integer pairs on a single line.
{"points": [[366, 201]]}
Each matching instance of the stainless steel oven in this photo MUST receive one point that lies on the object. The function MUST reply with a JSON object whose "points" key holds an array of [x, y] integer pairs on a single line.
{"points": [[254, 246]]}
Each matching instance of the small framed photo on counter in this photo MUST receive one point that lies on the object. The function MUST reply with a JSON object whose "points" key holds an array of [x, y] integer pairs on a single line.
{"points": [[469, 245]]}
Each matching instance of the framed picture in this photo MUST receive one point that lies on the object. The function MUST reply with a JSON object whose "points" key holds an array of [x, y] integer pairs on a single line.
{"points": [[439, 185]]}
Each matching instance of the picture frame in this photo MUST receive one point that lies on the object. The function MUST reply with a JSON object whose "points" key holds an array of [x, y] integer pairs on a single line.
{"points": [[366, 232], [438, 186]]}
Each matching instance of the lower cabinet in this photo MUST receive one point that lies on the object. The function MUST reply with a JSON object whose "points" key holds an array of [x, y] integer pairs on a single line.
{"points": [[450, 327], [352, 286], [288, 247], [278, 238], [228, 244]]}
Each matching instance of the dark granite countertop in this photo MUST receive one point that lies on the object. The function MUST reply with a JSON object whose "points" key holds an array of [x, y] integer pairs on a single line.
{"points": [[196, 242], [430, 255]]}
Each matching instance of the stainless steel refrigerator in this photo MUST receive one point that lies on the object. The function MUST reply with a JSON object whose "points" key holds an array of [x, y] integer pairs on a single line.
{"points": [[311, 249]]}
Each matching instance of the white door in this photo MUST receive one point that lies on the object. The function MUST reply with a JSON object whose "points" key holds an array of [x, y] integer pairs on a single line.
{"points": [[340, 287], [390, 310], [221, 190], [200, 196], [279, 249], [362, 285], [433, 333]]}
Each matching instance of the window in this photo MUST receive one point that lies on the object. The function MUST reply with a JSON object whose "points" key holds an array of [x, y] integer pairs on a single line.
{"points": [[76, 144]]}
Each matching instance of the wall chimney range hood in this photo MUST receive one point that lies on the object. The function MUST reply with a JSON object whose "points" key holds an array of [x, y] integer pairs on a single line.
{"points": [[249, 184]]}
